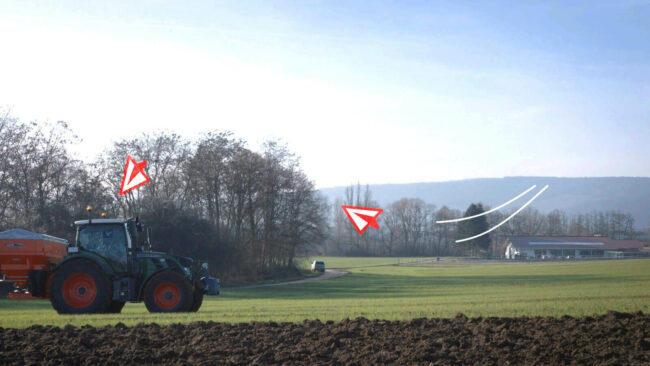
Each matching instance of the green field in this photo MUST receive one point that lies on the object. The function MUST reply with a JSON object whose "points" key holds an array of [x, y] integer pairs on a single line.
{"points": [[401, 292], [356, 262]]}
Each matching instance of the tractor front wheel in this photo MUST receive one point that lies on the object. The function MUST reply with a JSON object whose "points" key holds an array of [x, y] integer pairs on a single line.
{"points": [[197, 300], [80, 287], [168, 292]]}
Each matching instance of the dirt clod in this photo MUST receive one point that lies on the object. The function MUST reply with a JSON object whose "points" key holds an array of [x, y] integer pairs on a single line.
{"points": [[610, 339]]}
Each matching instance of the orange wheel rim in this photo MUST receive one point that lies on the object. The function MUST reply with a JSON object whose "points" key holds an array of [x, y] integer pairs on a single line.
{"points": [[167, 295], [79, 290]]}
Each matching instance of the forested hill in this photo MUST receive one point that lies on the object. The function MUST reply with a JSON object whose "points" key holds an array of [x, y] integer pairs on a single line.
{"points": [[573, 195]]}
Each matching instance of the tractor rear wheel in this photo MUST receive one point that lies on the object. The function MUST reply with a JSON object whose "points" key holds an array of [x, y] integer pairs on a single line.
{"points": [[6, 288], [116, 307], [80, 287], [168, 292], [197, 300]]}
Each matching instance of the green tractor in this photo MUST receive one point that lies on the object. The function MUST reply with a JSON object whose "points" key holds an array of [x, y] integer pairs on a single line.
{"points": [[110, 263]]}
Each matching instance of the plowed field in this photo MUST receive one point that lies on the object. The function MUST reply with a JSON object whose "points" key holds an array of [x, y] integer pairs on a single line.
{"points": [[613, 338]]}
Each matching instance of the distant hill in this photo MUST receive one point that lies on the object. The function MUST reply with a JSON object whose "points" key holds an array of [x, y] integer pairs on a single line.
{"points": [[573, 195]]}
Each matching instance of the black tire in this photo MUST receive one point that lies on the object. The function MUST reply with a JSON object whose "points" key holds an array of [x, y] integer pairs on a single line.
{"points": [[168, 292], [80, 287], [116, 307], [197, 300], [6, 288]]}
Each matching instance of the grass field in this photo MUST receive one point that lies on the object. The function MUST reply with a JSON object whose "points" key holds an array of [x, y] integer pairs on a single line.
{"points": [[401, 292], [356, 262]]}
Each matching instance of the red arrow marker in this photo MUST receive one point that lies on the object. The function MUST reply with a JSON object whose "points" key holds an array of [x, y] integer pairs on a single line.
{"points": [[134, 175], [362, 217]]}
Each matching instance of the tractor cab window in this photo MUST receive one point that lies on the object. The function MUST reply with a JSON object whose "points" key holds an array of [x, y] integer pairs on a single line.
{"points": [[109, 241]]}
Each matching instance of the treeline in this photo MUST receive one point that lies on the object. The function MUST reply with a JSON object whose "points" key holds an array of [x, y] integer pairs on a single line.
{"points": [[247, 212], [409, 228], [214, 199]]}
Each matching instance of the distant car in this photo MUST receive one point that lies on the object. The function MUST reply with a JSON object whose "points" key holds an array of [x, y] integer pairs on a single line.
{"points": [[318, 266]]}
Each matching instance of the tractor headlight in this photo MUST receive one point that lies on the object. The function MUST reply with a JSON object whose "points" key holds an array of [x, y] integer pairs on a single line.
{"points": [[186, 270]]}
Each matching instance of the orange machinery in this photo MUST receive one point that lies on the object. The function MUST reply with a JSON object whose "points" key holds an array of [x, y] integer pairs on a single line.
{"points": [[24, 254]]}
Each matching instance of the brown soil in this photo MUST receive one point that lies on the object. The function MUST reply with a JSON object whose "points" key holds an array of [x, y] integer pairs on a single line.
{"points": [[611, 339]]}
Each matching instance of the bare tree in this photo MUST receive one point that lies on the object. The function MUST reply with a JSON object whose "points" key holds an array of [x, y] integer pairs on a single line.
{"points": [[206, 171], [12, 135], [557, 223]]}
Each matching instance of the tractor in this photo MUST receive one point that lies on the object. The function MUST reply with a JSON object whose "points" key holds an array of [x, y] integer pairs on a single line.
{"points": [[111, 262]]}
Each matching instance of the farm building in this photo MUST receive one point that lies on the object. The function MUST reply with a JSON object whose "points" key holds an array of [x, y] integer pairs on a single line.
{"points": [[550, 247]]}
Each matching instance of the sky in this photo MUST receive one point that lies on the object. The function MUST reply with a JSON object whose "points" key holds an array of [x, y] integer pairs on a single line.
{"points": [[371, 92]]}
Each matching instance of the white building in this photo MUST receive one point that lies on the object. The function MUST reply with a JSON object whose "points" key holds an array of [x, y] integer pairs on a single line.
{"points": [[549, 247]]}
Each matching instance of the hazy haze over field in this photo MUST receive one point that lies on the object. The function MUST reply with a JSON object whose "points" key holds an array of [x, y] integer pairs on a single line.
{"points": [[423, 91], [572, 195]]}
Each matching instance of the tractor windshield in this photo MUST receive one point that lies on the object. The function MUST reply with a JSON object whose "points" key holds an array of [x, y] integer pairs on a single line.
{"points": [[109, 241]]}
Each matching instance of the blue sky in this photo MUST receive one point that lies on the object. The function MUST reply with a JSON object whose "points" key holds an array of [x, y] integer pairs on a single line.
{"points": [[376, 92]]}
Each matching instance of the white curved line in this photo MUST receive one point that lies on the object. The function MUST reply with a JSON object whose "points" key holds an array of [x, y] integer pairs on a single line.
{"points": [[487, 212], [506, 220]]}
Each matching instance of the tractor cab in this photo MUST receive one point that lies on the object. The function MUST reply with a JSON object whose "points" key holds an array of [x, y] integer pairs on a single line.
{"points": [[116, 240], [111, 239]]}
